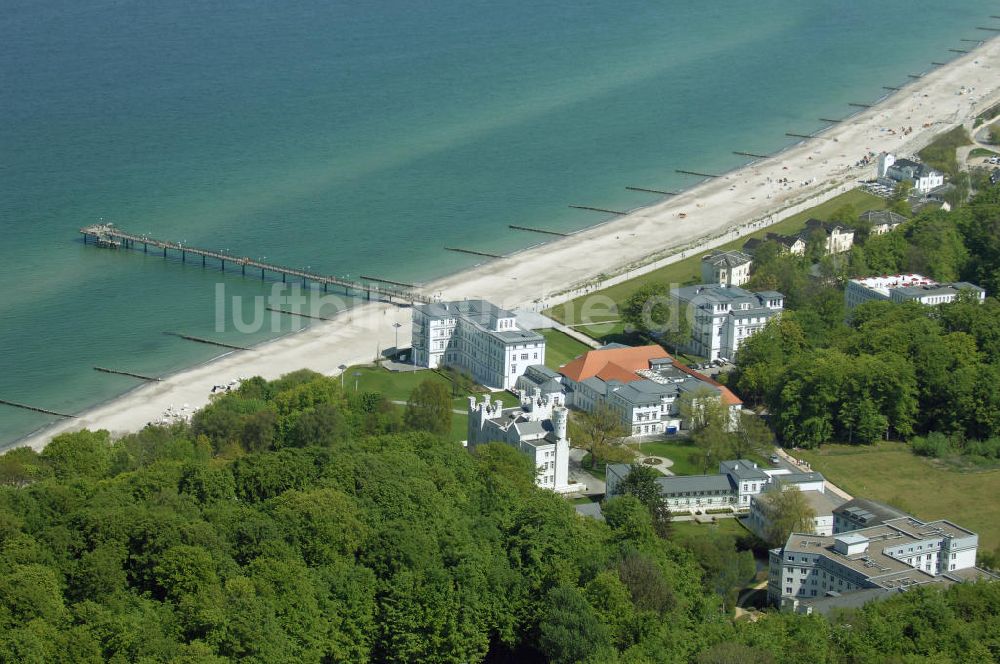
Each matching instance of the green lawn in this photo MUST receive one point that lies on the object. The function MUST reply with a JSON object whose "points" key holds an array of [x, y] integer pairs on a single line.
{"points": [[928, 489], [682, 453], [688, 271], [982, 152], [726, 526], [561, 348]]}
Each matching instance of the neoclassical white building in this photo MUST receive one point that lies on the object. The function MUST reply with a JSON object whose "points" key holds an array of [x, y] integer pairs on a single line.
{"points": [[723, 317], [477, 336], [536, 428]]}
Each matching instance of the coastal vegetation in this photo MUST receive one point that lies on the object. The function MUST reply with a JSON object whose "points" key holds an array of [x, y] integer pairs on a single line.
{"points": [[941, 152], [295, 520]]}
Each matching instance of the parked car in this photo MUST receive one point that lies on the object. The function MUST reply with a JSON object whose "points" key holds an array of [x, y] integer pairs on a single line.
{"points": [[775, 459]]}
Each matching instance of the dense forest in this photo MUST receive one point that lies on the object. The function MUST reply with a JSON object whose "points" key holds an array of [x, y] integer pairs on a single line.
{"points": [[893, 370], [292, 521]]}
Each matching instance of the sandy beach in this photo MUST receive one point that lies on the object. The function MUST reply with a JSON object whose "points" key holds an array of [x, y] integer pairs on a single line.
{"points": [[710, 214]]}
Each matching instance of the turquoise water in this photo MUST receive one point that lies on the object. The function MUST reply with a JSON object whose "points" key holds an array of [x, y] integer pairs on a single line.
{"points": [[360, 138]]}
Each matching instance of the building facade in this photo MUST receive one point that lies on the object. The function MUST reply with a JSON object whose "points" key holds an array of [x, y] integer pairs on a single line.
{"points": [[896, 555], [476, 336], [838, 239], [813, 489], [735, 486], [881, 221], [726, 268], [644, 385], [723, 317], [536, 428], [923, 177], [904, 288]]}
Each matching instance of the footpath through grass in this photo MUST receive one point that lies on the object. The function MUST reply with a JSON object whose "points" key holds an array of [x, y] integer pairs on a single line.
{"points": [[928, 489], [688, 271]]}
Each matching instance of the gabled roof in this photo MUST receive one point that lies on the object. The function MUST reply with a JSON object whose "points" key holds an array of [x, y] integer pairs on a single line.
{"points": [[613, 363], [728, 397]]}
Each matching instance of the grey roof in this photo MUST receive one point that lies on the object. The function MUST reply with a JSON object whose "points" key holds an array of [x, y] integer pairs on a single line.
{"points": [[799, 478], [472, 308], [710, 294], [823, 503], [593, 510], [515, 336], [536, 428], [694, 483], [854, 599], [595, 384], [744, 469], [727, 258], [877, 217], [868, 512], [936, 289], [540, 376]]}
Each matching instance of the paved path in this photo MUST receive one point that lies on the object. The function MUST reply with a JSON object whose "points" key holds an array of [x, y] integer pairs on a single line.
{"points": [[579, 336]]}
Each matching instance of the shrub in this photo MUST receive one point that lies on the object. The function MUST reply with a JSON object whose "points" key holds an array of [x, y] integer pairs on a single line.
{"points": [[935, 444]]}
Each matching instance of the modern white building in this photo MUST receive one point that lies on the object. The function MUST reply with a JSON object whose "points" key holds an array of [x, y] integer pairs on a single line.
{"points": [[726, 268], [899, 554], [536, 428], [904, 288], [723, 317], [881, 221], [923, 177], [643, 384], [476, 336], [735, 486]]}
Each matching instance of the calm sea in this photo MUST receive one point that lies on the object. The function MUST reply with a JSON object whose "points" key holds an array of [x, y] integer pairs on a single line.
{"points": [[360, 138]]}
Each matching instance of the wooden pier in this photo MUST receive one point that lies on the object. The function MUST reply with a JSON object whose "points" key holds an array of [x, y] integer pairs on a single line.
{"points": [[402, 284], [858, 105], [696, 174], [597, 209], [537, 230], [794, 135], [957, 50], [974, 41], [889, 87], [107, 235], [915, 75], [127, 373], [44, 411], [938, 64], [988, 29], [830, 120], [297, 313], [473, 252], [652, 191], [751, 154], [210, 342]]}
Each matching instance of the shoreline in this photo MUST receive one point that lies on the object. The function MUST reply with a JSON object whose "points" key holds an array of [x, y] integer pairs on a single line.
{"points": [[707, 214]]}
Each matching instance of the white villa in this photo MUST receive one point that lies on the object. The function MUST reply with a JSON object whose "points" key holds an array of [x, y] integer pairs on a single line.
{"points": [[726, 268], [819, 573], [477, 336], [536, 428], [838, 238], [904, 288], [723, 317], [881, 221], [923, 177]]}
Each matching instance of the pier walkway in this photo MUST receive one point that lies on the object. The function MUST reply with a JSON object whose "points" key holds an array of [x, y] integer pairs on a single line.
{"points": [[107, 235]]}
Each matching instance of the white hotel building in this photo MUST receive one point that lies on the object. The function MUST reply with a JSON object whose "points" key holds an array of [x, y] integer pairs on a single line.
{"points": [[815, 572], [476, 336], [723, 317], [904, 288]]}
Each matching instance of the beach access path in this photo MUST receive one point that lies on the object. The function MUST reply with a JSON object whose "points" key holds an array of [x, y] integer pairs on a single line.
{"points": [[717, 211]]}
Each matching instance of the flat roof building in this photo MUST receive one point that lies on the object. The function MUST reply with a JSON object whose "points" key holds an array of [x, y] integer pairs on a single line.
{"points": [[904, 288], [898, 554]]}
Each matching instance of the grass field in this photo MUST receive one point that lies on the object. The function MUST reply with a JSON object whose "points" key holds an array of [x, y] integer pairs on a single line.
{"points": [[397, 386], [725, 526], [890, 473], [688, 271], [680, 452], [560, 348]]}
